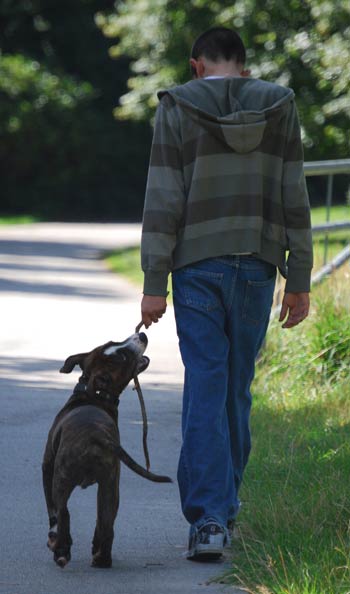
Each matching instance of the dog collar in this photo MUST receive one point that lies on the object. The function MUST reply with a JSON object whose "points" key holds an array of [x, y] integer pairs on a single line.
{"points": [[81, 387]]}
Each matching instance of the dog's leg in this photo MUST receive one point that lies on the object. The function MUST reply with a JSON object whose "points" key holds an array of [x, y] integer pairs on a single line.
{"points": [[63, 542], [47, 473], [107, 508]]}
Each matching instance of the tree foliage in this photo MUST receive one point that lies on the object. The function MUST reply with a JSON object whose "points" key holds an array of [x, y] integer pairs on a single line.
{"points": [[304, 44], [62, 154]]}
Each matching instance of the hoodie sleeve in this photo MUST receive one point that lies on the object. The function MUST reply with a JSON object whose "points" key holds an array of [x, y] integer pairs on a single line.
{"points": [[164, 201], [296, 209]]}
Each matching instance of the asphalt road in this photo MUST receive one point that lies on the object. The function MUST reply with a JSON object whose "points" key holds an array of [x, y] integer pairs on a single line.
{"points": [[56, 299]]}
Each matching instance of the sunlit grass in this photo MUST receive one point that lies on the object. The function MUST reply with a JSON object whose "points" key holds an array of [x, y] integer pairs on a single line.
{"points": [[126, 262], [294, 523], [337, 213], [324, 253], [293, 529], [18, 220]]}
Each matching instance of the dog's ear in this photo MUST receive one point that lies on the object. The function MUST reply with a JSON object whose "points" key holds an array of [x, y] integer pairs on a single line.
{"points": [[142, 364], [72, 361]]}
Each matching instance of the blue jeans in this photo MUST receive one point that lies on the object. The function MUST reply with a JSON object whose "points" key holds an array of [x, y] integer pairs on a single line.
{"points": [[222, 307]]}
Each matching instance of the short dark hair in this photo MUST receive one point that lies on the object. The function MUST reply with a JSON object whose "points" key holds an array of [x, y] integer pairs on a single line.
{"points": [[219, 43]]}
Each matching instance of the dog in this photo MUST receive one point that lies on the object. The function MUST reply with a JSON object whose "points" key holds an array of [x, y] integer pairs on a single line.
{"points": [[83, 445]]}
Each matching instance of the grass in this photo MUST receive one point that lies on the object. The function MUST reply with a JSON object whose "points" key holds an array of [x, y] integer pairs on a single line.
{"points": [[294, 525], [18, 220], [336, 240], [127, 263], [295, 518], [338, 213]]}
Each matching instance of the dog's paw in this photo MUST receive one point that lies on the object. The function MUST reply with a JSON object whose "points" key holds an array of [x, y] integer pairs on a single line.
{"points": [[52, 539], [61, 558], [62, 562], [100, 561]]}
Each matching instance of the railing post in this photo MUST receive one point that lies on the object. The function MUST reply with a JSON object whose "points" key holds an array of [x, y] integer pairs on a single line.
{"points": [[328, 214]]}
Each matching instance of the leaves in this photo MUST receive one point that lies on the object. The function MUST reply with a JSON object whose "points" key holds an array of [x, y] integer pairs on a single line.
{"points": [[304, 44]]}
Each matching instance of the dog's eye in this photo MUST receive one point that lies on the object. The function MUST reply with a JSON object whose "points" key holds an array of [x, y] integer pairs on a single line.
{"points": [[120, 356]]}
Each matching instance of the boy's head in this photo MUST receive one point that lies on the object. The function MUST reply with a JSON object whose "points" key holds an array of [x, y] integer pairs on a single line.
{"points": [[214, 46]]}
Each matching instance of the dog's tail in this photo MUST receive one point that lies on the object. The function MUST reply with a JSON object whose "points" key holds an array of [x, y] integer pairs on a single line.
{"points": [[130, 463]]}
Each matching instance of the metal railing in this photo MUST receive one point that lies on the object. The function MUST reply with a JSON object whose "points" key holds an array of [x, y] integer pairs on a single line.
{"points": [[329, 168]]}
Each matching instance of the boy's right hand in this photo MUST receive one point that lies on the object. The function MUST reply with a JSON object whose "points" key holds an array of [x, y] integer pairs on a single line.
{"points": [[152, 308]]}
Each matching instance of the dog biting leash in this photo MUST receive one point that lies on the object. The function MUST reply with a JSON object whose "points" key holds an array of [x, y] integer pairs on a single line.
{"points": [[83, 445], [137, 387]]}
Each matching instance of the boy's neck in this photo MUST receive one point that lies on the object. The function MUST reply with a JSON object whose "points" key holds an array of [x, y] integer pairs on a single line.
{"points": [[222, 69]]}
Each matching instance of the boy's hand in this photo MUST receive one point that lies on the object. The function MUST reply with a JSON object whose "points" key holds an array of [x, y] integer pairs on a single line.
{"points": [[297, 306], [152, 308]]}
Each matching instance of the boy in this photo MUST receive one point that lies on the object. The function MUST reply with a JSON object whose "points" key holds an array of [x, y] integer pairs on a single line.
{"points": [[225, 200]]}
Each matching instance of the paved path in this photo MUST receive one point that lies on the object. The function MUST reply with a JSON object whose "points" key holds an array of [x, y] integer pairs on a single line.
{"points": [[57, 298]]}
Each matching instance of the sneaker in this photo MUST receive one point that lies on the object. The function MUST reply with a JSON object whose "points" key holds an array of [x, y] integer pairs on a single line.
{"points": [[207, 542]]}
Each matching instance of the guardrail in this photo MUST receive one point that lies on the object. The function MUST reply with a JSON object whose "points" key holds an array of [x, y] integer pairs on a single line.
{"points": [[329, 168], [336, 226], [334, 264]]}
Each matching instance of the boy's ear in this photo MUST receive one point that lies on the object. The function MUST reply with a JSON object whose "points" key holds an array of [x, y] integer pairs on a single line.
{"points": [[197, 68], [72, 361]]}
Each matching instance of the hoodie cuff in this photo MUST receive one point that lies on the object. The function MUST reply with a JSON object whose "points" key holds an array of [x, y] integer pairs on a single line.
{"points": [[155, 283], [298, 280]]}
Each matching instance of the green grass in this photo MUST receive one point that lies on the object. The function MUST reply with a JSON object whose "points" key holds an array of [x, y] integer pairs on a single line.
{"points": [[294, 525], [338, 213], [127, 263], [295, 517], [336, 240], [18, 220]]}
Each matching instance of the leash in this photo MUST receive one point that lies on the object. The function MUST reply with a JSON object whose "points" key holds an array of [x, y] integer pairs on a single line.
{"points": [[138, 327], [137, 387]]}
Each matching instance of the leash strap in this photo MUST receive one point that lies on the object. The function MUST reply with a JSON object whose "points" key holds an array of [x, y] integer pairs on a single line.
{"points": [[144, 420], [143, 410], [138, 327]]}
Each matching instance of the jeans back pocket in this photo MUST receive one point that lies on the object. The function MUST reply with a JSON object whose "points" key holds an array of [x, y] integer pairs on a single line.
{"points": [[258, 300], [200, 288]]}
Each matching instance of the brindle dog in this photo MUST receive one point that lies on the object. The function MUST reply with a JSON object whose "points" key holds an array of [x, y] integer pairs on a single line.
{"points": [[83, 445]]}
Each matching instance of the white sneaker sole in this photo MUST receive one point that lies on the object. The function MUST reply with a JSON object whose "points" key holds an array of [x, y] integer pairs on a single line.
{"points": [[213, 550]]}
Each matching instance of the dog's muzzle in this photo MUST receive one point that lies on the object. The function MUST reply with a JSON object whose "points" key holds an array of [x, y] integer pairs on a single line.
{"points": [[136, 342]]}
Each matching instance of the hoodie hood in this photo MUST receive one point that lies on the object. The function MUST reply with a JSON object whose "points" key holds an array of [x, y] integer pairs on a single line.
{"points": [[234, 109]]}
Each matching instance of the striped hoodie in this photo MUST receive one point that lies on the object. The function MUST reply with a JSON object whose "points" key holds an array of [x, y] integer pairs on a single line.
{"points": [[226, 177]]}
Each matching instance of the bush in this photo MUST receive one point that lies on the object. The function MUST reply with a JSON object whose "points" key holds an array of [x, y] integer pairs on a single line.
{"points": [[61, 157]]}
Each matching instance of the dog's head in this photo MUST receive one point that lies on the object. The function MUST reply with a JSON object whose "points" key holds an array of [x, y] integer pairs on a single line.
{"points": [[111, 366]]}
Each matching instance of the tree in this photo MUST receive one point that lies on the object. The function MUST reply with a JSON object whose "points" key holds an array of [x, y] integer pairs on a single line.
{"points": [[304, 44], [62, 154]]}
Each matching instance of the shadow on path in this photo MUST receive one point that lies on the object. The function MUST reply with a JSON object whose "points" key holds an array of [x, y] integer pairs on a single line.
{"points": [[54, 268], [50, 249]]}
